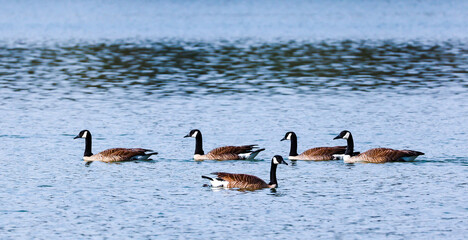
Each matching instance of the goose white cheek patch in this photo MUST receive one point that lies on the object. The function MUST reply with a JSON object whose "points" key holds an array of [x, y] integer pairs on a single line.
{"points": [[346, 136], [85, 134], [194, 134]]}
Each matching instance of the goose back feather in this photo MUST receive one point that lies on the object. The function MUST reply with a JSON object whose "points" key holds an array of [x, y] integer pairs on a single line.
{"points": [[121, 154], [382, 155], [231, 152], [243, 181], [232, 149], [320, 153]]}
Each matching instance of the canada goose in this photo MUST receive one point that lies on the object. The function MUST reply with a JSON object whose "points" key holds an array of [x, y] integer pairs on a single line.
{"points": [[245, 152], [113, 154], [375, 155], [244, 181], [317, 154]]}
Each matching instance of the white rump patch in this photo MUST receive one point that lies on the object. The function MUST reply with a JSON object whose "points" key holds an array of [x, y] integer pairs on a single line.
{"points": [[199, 157], [338, 156], [349, 159], [294, 158], [346, 136], [219, 183], [89, 159]]}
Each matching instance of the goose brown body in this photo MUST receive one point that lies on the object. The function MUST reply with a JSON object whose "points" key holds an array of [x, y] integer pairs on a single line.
{"points": [[320, 153], [383, 155], [243, 181], [118, 154], [228, 152]]}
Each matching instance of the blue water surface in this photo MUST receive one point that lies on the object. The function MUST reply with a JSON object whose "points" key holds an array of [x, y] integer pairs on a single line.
{"points": [[143, 73]]}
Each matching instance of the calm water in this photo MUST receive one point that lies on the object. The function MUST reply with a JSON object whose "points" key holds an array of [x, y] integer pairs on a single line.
{"points": [[242, 73]]}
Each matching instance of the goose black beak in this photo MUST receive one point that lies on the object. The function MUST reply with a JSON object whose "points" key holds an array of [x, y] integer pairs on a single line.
{"points": [[76, 137], [337, 137], [285, 163], [283, 139], [186, 136]]}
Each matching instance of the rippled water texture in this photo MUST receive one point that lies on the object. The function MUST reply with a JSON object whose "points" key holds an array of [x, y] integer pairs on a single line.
{"points": [[200, 68], [136, 83]]}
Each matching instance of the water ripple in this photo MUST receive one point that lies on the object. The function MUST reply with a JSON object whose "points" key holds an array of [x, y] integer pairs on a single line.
{"points": [[174, 68]]}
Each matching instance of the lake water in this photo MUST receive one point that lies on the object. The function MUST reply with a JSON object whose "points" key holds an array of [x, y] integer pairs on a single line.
{"points": [[143, 74]]}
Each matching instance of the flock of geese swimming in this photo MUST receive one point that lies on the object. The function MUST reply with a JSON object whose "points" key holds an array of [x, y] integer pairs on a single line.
{"points": [[249, 152]]}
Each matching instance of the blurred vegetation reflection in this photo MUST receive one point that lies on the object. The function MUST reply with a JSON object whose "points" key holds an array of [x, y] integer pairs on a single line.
{"points": [[185, 68]]}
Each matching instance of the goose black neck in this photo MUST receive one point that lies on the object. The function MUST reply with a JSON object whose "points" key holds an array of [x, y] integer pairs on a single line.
{"points": [[199, 144], [293, 150], [88, 144], [350, 147], [273, 174]]}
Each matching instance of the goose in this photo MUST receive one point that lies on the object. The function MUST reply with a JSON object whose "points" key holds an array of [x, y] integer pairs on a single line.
{"points": [[316, 154], [113, 154], [375, 155], [245, 152], [244, 181]]}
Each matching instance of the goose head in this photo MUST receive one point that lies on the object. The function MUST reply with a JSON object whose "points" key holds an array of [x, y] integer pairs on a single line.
{"points": [[83, 134], [277, 159], [343, 135], [288, 136], [193, 133]]}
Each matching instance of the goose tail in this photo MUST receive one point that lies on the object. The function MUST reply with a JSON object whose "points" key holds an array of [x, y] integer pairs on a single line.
{"points": [[152, 153], [415, 153], [253, 154], [211, 179]]}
